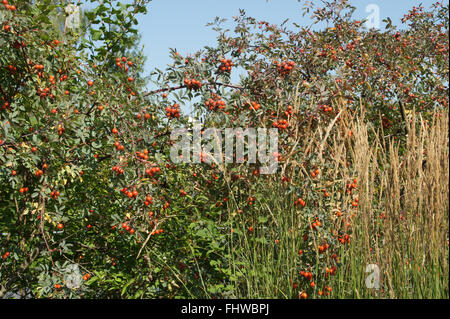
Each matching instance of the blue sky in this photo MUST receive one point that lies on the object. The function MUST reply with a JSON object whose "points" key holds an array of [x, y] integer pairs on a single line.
{"points": [[181, 24]]}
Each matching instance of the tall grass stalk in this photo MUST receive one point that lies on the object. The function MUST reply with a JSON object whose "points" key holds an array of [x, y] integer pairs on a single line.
{"points": [[400, 225]]}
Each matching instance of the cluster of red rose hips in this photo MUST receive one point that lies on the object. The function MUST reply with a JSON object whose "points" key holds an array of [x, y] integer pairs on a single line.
{"points": [[6, 255], [192, 84], [315, 172], [117, 169], [55, 43], [5, 105], [306, 274], [332, 270], [125, 63], [262, 23], [119, 146], [281, 124], [143, 155], [148, 200], [128, 228], [54, 194], [325, 193], [152, 171], [52, 80], [323, 248], [44, 92], [86, 277], [351, 186], [315, 224], [225, 65], [23, 189], [289, 111], [345, 239], [8, 6], [146, 116], [325, 108], [326, 291], [284, 68], [174, 111], [12, 68], [131, 194], [254, 106], [39, 68], [157, 231], [215, 103], [416, 11], [300, 201]]}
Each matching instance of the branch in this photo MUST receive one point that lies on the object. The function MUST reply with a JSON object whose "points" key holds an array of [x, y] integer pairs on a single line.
{"points": [[173, 88], [42, 229], [403, 113]]}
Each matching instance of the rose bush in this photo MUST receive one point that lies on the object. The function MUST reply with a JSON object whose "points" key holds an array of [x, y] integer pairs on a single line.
{"points": [[85, 163]]}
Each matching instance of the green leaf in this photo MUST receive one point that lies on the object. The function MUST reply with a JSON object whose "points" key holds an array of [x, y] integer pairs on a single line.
{"points": [[96, 34], [124, 289]]}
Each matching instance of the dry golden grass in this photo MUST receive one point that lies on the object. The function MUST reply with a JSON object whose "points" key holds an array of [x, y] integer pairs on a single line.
{"points": [[401, 222]]}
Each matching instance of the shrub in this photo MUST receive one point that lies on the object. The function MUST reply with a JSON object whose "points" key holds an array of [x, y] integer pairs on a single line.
{"points": [[88, 181]]}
